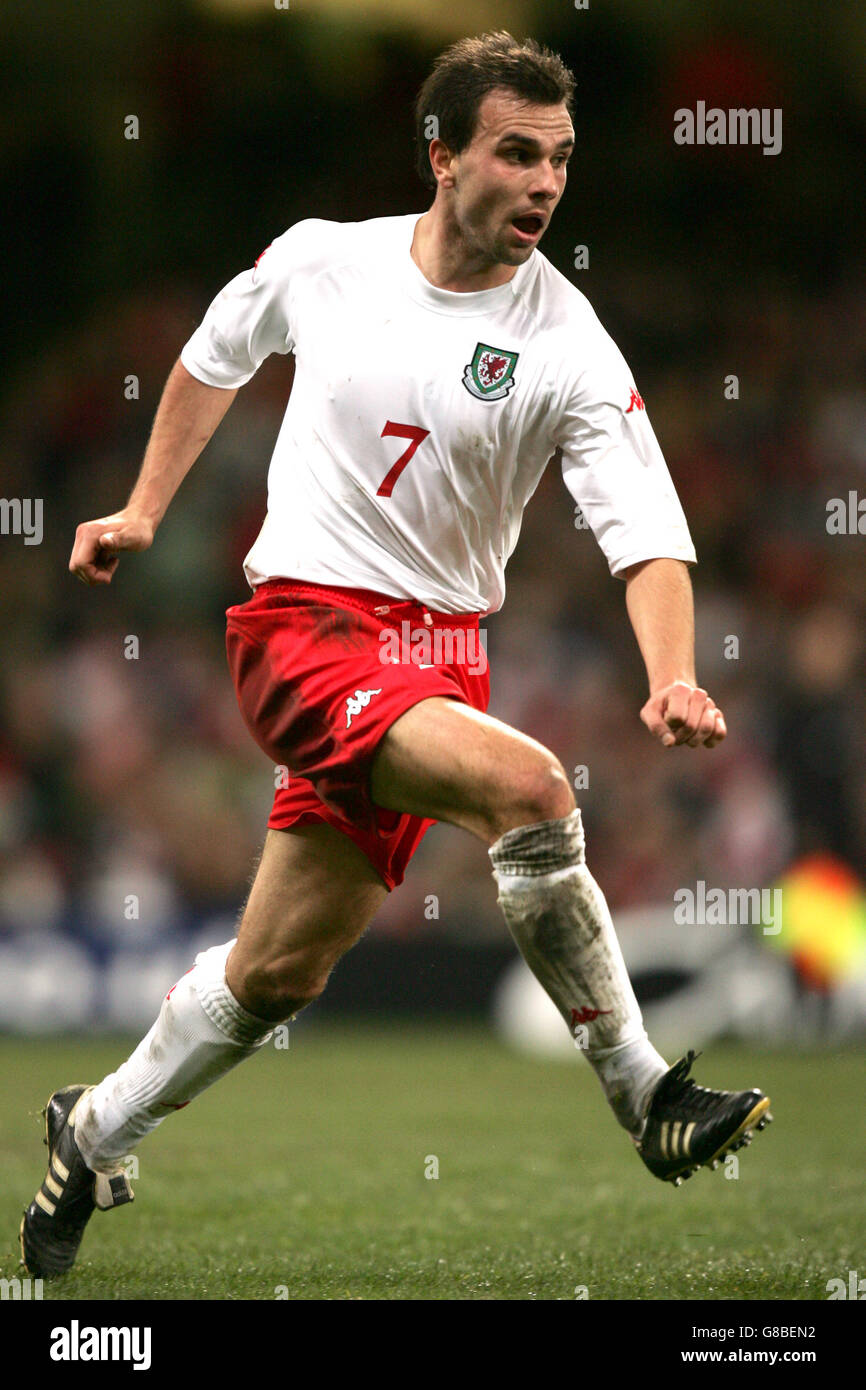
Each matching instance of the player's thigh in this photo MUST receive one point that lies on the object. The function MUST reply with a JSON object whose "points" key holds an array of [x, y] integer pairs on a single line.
{"points": [[313, 895], [445, 760]]}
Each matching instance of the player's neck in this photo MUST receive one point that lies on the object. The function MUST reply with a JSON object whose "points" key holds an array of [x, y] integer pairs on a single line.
{"points": [[443, 257]]}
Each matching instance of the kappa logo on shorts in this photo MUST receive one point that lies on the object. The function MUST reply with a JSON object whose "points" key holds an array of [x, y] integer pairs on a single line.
{"points": [[489, 376], [360, 700]]}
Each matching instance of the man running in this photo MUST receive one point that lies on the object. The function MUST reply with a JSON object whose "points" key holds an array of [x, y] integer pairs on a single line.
{"points": [[441, 360]]}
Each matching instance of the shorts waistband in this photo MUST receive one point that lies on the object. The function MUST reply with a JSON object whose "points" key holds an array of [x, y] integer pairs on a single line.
{"points": [[367, 601]]}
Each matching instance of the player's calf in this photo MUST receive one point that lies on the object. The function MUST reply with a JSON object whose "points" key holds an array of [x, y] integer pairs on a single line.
{"points": [[314, 894], [276, 988]]}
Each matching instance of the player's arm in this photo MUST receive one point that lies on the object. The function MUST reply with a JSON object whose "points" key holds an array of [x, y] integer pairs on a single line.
{"points": [[188, 414], [661, 610]]}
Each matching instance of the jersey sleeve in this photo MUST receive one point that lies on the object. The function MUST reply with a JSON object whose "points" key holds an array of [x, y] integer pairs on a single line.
{"points": [[614, 468], [251, 317]]}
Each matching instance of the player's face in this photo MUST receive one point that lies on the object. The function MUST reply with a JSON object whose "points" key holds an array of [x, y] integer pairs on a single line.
{"points": [[510, 177]]}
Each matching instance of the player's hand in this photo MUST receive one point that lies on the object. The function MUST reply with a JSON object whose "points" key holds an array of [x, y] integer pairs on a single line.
{"points": [[96, 552], [683, 713]]}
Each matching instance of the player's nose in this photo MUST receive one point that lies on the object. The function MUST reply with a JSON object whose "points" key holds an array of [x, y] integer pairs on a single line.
{"points": [[545, 183]]}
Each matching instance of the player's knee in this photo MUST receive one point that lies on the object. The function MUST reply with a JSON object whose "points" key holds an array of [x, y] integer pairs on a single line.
{"points": [[541, 792]]}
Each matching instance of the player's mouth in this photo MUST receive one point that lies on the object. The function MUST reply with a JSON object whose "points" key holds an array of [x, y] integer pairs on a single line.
{"points": [[529, 227]]}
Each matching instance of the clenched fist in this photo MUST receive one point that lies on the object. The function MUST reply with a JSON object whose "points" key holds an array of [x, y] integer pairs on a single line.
{"points": [[683, 713], [96, 552]]}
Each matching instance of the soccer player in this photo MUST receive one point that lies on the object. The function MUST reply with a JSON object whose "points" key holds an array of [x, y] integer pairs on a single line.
{"points": [[440, 362]]}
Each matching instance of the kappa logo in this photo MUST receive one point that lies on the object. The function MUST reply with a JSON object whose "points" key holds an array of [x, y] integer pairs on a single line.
{"points": [[587, 1015], [490, 374], [360, 700], [634, 402]]}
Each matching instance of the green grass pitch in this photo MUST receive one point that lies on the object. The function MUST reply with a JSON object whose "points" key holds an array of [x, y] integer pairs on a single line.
{"points": [[302, 1175]]}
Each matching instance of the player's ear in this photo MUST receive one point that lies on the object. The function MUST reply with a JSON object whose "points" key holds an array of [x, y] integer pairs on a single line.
{"points": [[441, 160]]}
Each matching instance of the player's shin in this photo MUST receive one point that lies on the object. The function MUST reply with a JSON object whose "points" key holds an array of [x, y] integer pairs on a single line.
{"points": [[558, 916], [201, 1033]]}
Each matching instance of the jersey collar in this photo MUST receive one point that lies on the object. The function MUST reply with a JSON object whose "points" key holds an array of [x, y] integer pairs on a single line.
{"points": [[466, 304]]}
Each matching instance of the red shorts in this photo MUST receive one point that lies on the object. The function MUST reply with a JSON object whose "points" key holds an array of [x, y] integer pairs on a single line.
{"points": [[321, 674]]}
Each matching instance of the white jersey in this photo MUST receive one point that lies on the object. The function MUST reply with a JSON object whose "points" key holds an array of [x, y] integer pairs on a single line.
{"points": [[421, 419]]}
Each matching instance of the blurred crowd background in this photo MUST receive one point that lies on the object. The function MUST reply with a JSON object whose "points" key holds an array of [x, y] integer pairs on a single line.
{"points": [[132, 800]]}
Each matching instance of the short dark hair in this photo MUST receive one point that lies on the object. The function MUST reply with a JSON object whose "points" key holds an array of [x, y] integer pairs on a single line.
{"points": [[464, 74]]}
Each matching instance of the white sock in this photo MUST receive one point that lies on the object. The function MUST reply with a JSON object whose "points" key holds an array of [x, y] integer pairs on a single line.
{"points": [[558, 916], [201, 1033]]}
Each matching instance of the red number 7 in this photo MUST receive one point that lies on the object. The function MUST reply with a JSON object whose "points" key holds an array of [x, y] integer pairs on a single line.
{"points": [[413, 432]]}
